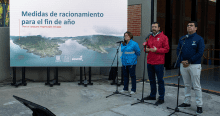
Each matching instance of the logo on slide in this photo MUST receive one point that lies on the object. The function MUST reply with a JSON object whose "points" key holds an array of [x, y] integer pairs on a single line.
{"points": [[66, 58], [58, 59], [80, 58]]}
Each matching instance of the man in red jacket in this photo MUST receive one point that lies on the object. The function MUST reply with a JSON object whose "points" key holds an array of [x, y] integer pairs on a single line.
{"points": [[156, 47]]}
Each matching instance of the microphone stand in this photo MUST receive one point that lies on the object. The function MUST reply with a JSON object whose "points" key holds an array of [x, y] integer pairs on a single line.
{"points": [[177, 109], [117, 92], [113, 82], [142, 99]]}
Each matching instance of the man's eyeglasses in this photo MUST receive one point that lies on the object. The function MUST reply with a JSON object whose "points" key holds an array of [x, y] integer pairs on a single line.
{"points": [[190, 25]]}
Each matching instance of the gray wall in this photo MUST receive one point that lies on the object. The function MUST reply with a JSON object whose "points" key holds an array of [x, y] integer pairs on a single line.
{"points": [[4, 53]]}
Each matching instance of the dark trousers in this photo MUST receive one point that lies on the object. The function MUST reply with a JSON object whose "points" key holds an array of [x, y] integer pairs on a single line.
{"points": [[158, 69], [126, 71]]}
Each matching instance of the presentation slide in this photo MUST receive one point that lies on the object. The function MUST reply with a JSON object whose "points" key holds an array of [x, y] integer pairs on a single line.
{"points": [[66, 33]]}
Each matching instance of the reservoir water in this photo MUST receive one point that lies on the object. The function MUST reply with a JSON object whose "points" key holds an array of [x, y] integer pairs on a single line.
{"points": [[73, 55]]}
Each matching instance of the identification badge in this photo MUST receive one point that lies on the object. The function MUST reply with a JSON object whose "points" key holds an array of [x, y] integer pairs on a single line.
{"points": [[158, 39], [194, 43]]}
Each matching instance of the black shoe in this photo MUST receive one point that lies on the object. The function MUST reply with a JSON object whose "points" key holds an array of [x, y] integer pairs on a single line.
{"points": [[199, 110], [184, 105], [150, 98], [113, 83], [159, 101]]}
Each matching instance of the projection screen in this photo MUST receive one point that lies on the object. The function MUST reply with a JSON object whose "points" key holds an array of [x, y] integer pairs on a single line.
{"points": [[66, 33]]}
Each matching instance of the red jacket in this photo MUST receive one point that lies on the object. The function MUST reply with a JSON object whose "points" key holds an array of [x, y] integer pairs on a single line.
{"points": [[161, 42]]}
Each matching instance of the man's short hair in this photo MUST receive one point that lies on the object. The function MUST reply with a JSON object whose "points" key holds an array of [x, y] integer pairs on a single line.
{"points": [[195, 23], [156, 23]]}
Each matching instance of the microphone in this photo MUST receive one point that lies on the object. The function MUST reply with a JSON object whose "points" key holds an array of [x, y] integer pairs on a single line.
{"points": [[185, 37], [119, 41], [149, 35]]}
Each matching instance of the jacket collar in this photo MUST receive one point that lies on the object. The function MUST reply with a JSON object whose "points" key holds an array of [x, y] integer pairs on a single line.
{"points": [[192, 35], [129, 42], [158, 33]]}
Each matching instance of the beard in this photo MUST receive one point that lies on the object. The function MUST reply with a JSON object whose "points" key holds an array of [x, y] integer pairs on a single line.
{"points": [[155, 32]]}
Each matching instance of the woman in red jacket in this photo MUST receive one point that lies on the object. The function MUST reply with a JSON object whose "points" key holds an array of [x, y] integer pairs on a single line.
{"points": [[156, 47]]}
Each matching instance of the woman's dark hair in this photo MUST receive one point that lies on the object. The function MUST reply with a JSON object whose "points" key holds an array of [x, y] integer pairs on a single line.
{"points": [[129, 34]]}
